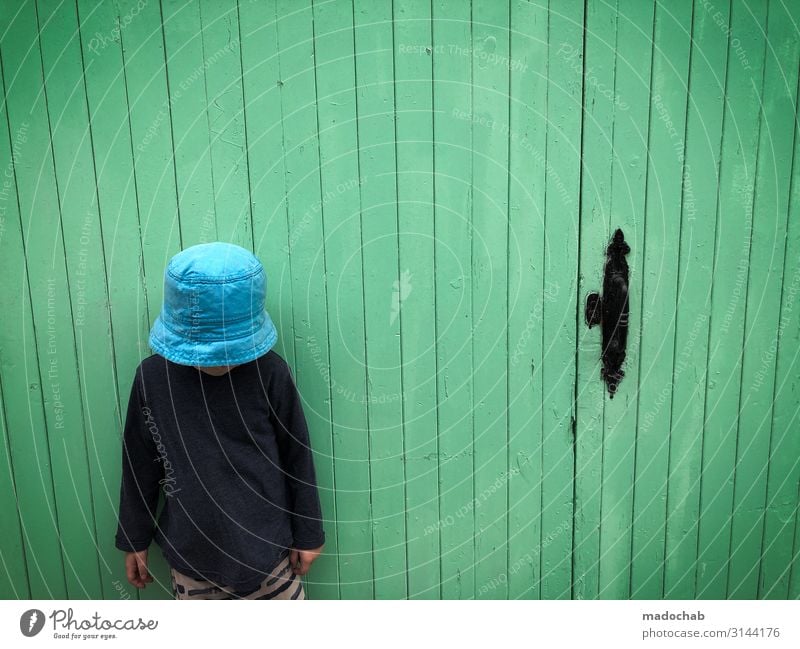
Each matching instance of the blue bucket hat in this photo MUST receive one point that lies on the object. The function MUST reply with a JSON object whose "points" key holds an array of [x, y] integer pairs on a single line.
{"points": [[213, 312]]}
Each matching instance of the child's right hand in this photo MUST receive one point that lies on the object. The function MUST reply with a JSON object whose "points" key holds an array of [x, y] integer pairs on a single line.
{"points": [[136, 568]]}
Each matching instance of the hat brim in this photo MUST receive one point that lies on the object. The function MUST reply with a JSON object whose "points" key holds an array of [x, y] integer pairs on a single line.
{"points": [[212, 353]]}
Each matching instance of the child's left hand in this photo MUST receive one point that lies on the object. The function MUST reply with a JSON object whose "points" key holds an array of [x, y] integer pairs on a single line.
{"points": [[301, 560]]}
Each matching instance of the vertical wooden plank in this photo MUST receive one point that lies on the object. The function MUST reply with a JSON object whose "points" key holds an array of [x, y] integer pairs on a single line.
{"points": [[187, 108], [382, 290], [416, 309], [121, 249], [262, 108], [731, 264], [527, 131], [765, 283], [628, 191], [151, 133], [341, 213], [307, 265], [559, 315], [13, 568], [28, 501], [780, 519], [116, 190], [75, 167], [666, 129], [597, 152], [490, 48], [703, 136], [50, 301], [452, 73], [142, 42], [226, 124]]}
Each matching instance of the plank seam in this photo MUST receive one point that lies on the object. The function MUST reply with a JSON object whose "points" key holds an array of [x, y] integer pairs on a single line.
{"points": [[324, 265]]}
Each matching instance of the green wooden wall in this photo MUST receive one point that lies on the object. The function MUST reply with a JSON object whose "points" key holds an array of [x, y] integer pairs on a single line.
{"points": [[431, 186]]}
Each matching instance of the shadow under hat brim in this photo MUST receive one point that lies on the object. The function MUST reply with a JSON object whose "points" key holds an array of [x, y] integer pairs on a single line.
{"points": [[212, 353]]}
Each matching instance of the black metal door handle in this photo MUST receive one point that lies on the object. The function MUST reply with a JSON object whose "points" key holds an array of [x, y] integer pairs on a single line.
{"points": [[611, 311]]}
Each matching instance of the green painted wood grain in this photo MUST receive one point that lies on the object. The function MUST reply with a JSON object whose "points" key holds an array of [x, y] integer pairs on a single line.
{"points": [[780, 566], [76, 174], [13, 577], [765, 284], [262, 107], [44, 251], [668, 99], [628, 192], [734, 217], [705, 108], [185, 111], [780, 517], [374, 83], [124, 275], [490, 85], [306, 259], [144, 72], [526, 292], [27, 484], [227, 134], [596, 220], [452, 97], [452, 105], [559, 315], [337, 118], [415, 293]]}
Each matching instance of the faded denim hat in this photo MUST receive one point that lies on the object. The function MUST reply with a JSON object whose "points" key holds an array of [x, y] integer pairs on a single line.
{"points": [[213, 312]]}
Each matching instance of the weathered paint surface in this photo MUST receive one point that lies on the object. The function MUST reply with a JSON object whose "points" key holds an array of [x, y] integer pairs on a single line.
{"points": [[431, 187]]}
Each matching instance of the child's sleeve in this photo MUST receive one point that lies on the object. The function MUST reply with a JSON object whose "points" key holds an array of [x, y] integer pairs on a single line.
{"points": [[297, 462], [141, 472]]}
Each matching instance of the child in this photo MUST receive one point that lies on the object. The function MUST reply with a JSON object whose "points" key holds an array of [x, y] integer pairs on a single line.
{"points": [[215, 421]]}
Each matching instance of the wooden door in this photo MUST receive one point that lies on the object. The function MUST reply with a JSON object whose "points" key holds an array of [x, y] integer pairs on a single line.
{"points": [[431, 187], [685, 481]]}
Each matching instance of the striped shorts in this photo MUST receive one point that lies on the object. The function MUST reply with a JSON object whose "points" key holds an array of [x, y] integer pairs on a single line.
{"points": [[282, 583]]}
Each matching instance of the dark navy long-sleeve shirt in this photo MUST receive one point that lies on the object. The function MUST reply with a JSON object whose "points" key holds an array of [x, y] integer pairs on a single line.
{"points": [[231, 455]]}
